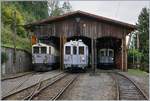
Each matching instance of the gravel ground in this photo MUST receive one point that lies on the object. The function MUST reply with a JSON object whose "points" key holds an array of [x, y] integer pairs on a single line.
{"points": [[142, 81], [91, 87], [28, 80]]}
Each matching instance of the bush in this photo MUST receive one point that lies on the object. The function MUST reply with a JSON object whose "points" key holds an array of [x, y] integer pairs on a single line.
{"points": [[4, 57], [134, 53]]}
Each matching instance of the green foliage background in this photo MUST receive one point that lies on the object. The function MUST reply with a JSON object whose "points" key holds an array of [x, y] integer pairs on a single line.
{"points": [[143, 29], [26, 12], [143, 52]]}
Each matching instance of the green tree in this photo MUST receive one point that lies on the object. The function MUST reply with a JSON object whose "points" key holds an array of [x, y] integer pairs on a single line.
{"points": [[26, 12], [143, 29], [66, 7], [55, 9]]}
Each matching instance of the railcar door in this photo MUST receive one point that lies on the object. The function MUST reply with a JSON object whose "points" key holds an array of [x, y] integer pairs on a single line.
{"points": [[110, 56], [82, 55], [102, 56], [67, 56], [74, 55]]}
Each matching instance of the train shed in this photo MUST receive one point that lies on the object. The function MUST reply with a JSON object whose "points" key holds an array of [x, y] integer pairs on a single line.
{"points": [[96, 31]]}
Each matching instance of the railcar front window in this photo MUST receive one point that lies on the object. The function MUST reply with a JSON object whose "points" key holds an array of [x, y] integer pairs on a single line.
{"points": [[74, 50], [43, 50], [81, 50], [67, 50], [102, 53], [110, 53], [50, 50], [35, 50]]}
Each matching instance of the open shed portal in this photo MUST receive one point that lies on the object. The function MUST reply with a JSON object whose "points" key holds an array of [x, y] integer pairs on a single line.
{"points": [[96, 31]]}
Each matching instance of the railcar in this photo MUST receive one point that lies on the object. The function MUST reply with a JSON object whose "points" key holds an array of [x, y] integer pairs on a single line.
{"points": [[44, 57], [75, 55], [105, 58]]}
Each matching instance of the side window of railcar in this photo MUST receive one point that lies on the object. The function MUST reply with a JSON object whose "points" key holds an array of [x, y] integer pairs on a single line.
{"points": [[50, 50], [74, 50], [102, 53], [110, 53], [67, 50], [43, 50], [81, 50], [35, 50]]}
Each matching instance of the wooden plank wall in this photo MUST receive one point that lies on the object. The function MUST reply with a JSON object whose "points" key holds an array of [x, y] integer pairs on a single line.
{"points": [[88, 27]]}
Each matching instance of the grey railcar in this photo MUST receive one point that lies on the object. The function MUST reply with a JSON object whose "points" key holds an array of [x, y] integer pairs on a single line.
{"points": [[106, 58], [75, 55], [44, 57]]}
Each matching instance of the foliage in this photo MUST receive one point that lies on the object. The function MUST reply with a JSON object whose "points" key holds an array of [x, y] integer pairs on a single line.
{"points": [[66, 7], [8, 18], [134, 53], [143, 30], [26, 12], [4, 57], [7, 39], [55, 9]]}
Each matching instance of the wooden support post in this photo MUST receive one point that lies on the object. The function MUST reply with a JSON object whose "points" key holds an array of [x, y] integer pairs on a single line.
{"points": [[92, 53], [95, 55], [63, 42], [124, 53], [122, 60], [60, 52]]}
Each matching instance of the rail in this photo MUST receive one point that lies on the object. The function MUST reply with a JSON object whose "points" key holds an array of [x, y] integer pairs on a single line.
{"points": [[30, 89], [125, 93]]}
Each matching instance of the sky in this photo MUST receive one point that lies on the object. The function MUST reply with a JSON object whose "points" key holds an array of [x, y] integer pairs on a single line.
{"points": [[125, 11]]}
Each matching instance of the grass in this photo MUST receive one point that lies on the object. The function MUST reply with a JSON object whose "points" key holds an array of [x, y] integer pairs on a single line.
{"points": [[137, 72]]}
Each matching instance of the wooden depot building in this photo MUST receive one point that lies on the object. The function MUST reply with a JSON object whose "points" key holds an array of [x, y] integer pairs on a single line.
{"points": [[96, 31]]}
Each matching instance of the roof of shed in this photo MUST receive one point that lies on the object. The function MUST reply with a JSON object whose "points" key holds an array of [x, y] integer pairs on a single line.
{"points": [[100, 18]]}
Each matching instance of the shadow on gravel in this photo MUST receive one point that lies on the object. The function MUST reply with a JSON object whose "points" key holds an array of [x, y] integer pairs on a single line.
{"points": [[76, 71]]}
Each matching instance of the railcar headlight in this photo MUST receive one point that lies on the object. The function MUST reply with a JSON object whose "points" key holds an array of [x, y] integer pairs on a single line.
{"points": [[83, 58]]}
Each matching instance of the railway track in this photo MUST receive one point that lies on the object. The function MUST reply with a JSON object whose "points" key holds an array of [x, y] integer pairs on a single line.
{"points": [[13, 77], [55, 89], [25, 93], [127, 89]]}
